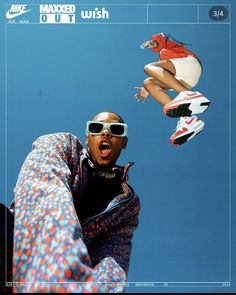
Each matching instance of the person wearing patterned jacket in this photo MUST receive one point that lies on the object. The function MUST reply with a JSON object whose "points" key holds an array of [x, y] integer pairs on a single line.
{"points": [[75, 213]]}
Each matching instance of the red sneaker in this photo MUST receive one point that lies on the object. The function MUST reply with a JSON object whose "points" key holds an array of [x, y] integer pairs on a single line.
{"points": [[187, 128], [185, 104]]}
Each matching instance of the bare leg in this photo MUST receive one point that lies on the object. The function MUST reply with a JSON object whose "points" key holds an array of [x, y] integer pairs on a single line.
{"points": [[164, 71], [157, 90]]}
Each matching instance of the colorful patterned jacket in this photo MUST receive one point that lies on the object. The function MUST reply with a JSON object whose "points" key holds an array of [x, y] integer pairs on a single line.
{"points": [[53, 250]]}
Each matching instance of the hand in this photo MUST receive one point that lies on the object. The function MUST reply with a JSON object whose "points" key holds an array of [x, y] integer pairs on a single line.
{"points": [[145, 44], [142, 95], [149, 44]]}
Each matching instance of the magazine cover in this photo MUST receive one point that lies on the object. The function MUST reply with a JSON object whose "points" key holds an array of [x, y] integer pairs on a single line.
{"points": [[117, 146]]}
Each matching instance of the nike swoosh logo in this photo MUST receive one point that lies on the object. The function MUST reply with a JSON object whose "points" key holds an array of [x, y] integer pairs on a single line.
{"points": [[13, 15], [190, 121]]}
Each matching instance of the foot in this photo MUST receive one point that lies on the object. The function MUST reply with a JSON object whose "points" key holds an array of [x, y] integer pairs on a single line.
{"points": [[187, 128], [186, 103]]}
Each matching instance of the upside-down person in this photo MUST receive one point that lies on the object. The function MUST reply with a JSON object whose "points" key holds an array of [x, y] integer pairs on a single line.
{"points": [[177, 69]]}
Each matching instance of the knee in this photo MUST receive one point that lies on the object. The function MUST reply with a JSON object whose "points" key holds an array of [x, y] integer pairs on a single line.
{"points": [[147, 83], [149, 69]]}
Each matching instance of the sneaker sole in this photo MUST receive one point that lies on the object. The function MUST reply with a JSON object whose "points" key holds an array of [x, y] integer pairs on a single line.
{"points": [[186, 109], [187, 137]]}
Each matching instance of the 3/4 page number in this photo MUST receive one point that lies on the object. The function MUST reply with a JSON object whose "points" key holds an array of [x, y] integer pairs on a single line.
{"points": [[218, 13]]}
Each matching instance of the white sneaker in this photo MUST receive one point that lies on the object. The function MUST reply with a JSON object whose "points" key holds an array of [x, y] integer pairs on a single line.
{"points": [[186, 103], [187, 128]]}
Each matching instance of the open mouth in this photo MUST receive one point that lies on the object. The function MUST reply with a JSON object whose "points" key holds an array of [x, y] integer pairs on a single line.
{"points": [[104, 148]]}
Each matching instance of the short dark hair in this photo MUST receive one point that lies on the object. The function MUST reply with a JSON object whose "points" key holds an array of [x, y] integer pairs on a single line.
{"points": [[120, 118]]}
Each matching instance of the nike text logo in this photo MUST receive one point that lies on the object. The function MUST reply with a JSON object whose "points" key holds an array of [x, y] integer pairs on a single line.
{"points": [[15, 11]]}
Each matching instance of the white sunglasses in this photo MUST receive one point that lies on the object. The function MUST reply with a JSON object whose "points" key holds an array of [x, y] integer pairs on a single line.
{"points": [[116, 129]]}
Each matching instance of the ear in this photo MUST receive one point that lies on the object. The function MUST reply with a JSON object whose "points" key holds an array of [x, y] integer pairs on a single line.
{"points": [[125, 143]]}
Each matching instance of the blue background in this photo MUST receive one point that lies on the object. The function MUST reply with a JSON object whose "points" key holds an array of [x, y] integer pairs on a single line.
{"points": [[56, 77]]}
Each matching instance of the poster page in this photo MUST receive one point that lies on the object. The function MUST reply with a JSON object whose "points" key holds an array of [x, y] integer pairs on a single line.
{"points": [[62, 62]]}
